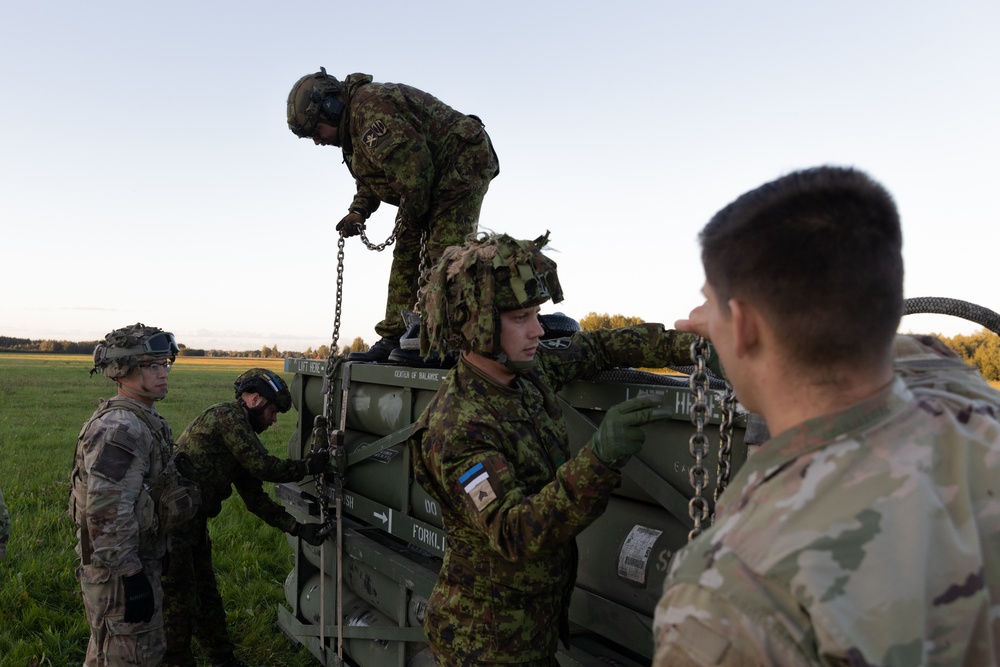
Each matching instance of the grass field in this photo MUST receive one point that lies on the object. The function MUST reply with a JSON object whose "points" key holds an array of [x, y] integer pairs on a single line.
{"points": [[45, 400]]}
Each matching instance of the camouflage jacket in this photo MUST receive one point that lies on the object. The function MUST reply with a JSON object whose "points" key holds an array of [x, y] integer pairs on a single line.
{"points": [[118, 454], [4, 526], [226, 452], [496, 459], [869, 537], [401, 145]]}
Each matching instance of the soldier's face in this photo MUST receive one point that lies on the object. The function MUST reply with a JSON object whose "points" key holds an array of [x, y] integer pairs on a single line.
{"points": [[520, 332], [147, 383], [326, 135]]}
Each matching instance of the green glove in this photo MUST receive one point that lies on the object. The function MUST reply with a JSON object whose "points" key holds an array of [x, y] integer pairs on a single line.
{"points": [[619, 434]]}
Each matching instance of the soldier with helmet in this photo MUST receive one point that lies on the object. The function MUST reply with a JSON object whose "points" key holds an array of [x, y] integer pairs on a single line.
{"points": [[225, 452], [122, 455], [408, 149], [492, 448]]}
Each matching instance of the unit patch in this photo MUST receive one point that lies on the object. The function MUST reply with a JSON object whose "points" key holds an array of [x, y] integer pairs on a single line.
{"points": [[375, 134], [476, 482]]}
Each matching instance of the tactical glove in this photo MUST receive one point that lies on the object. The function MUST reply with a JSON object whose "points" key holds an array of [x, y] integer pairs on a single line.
{"points": [[316, 462], [311, 533], [619, 435], [351, 224], [139, 603]]}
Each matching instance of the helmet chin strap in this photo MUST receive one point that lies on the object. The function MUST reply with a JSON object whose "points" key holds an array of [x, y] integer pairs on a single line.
{"points": [[516, 367], [142, 392]]}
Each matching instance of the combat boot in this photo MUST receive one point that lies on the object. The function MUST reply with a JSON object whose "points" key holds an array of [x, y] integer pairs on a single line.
{"points": [[380, 351]]}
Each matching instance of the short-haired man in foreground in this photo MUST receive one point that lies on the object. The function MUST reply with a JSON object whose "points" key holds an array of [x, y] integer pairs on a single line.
{"points": [[867, 530]]}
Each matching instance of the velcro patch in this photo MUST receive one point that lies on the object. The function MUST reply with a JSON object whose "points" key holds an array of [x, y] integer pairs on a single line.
{"points": [[375, 134], [477, 484], [116, 455]]}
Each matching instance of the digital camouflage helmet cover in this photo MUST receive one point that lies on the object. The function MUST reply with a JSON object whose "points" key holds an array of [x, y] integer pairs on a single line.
{"points": [[312, 97], [125, 348], [466, 290]]}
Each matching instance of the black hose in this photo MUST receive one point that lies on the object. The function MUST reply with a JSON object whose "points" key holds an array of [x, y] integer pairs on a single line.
{"points": [[956, 307]]}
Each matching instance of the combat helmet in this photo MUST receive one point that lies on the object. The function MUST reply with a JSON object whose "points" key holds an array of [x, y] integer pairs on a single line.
{"points": [[268, 384], [464, 293], [312, 98], [124, 349]]}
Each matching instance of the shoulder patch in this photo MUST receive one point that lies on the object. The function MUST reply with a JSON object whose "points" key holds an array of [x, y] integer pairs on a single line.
{"points": [[374, 135], [478, 486], [116, 454], [556, 343]]}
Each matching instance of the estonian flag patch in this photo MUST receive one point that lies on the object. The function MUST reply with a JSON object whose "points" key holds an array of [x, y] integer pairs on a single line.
{"points": [[476, 482]]}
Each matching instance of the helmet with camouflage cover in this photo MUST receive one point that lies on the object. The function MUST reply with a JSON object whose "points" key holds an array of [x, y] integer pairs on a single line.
{"points": [[124, 349], [268, 384], [314, 97], [466, 290]]}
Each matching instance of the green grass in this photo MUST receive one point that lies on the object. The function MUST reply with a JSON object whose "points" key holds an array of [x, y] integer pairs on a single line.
{"points": [[45, 400]]}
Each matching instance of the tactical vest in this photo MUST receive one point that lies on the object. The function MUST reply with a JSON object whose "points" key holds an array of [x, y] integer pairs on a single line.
{"points": [[174, 494]]}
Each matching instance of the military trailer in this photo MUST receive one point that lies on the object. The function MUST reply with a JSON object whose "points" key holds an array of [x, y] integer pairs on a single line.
{"points": [[391, 539]]}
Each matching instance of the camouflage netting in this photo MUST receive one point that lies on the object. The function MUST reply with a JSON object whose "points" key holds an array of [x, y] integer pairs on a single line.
{"points": [[466, 290]]}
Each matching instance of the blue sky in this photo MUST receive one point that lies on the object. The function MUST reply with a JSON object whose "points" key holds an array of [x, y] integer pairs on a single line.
{"points": [[147, 173]]}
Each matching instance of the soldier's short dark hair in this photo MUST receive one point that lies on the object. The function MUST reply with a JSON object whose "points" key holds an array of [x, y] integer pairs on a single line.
{"points": [[819, 251]]}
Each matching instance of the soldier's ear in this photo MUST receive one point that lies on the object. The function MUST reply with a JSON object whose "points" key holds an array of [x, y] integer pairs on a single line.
{"points": [[253, 399]]}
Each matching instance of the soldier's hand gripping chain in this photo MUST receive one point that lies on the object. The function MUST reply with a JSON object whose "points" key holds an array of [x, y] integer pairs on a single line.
{"points": [[139, 602], [351, 224], [619, 435], [317, 461], [313, 533]]}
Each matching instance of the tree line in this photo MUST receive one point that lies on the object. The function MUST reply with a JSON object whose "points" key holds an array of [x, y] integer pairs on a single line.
{"points": [[980, 349]]}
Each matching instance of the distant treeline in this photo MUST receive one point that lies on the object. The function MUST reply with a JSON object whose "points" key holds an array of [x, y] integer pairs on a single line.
{"points": [[9, 344], [981, 349]]}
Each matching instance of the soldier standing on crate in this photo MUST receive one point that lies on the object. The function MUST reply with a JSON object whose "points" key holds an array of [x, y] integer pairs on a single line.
{"points": [[408, 149]]}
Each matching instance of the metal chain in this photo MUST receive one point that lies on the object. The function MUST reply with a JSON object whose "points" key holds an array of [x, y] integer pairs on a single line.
{"points": [[725, 442], [381, 246], [698, 444]]}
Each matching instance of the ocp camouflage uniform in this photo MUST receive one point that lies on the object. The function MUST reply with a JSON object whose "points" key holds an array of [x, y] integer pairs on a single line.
{"points": [[869, 537], [118, 454], [225, 452], [4, 527], [496, 459], [409, 149]]}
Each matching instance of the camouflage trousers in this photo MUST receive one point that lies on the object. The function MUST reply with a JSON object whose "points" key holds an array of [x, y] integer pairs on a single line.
{"points": [[453, 215], [113, 642], [192, 604]]}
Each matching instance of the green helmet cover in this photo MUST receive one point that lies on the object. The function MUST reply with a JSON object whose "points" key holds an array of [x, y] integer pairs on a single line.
{"points": [[123, 349], [268, 384], [464, 293], [305, 100]]}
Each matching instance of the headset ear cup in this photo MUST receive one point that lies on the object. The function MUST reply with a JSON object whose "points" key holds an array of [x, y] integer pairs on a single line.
{"points": [[332, 108]]}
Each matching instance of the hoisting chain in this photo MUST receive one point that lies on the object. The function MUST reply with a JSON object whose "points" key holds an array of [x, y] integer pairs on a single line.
{"points": [[698, 507], [381, 246], [725, 441], [698, 443]]}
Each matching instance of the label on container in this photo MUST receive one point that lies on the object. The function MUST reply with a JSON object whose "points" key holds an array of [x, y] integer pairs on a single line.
{"points": [[633, 559]]}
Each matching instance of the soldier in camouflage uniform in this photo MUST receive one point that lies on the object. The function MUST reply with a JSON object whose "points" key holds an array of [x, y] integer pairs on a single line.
{"points": [[121, 453], [4, 527], [409, 149], [225, 452], [492, 449], [866, 531]]}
